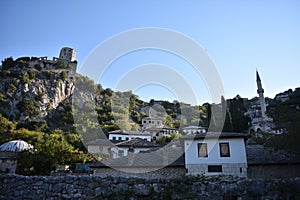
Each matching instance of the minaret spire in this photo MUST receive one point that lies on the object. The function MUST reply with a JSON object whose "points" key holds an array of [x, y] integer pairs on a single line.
{"points": [[260, 91], [257, 76]]}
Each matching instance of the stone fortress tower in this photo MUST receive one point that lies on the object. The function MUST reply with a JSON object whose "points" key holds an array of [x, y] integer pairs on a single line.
{"points": [[68, 54]]}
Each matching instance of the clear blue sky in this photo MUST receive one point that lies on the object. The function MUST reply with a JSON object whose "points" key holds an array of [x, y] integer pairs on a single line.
{"points": [[239, 36]]}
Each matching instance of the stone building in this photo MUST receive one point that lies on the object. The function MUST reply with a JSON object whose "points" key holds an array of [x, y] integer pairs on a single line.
{"points": [[150, 122], [9, 154], [122, 135], [160, 132], [135, 145], [67, 53]]}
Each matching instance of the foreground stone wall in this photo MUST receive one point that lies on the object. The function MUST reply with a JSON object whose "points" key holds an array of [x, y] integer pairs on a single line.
{"points": [[90, 187], [162, 173], [274, 171]]}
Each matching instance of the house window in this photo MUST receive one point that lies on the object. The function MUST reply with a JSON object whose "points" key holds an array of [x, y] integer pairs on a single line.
{"points": [[114, 138], [127, 138], [202, 150], [224, 150], [214, 168], [120, 138], [121, 153]]}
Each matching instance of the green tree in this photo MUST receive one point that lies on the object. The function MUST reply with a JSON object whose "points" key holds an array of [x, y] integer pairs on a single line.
{"points": [[48, 155], [29, 108], [32, 137], [34, 125], [237, 111], [228, 121], [287, 115], [8, 63], [63, 75], [32, 74], [5, 129], [24, 77]]}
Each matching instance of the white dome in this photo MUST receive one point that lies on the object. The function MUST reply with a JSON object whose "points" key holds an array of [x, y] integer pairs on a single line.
{"points": [[15, 146]]}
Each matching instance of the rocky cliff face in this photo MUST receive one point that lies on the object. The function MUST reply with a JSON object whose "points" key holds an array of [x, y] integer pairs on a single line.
{"points": [[31, 93]]}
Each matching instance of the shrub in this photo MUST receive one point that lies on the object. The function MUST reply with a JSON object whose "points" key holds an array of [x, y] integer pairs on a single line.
{"points": [[8, 63], [37, 67], [29, 108]]}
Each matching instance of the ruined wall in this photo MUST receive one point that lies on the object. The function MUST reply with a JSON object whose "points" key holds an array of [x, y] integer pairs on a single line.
{"points": [[90, 187]]}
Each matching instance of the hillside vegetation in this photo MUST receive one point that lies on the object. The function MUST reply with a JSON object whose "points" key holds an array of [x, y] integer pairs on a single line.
{"points": [[36, 106]]}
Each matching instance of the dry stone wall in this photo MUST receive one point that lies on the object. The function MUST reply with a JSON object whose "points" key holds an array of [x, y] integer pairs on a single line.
{"points": [[92, 187]]}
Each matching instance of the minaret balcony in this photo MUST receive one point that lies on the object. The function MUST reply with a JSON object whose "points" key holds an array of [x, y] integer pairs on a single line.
{"points": [[260, 91]]}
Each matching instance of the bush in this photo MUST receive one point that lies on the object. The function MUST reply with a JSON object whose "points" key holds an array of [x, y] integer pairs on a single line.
{"points": [[61, 65], [8, 63], [29, 108], [48, 75], [25, 78], [22, 64], [37, 67], [63, 75], [32, 74]]}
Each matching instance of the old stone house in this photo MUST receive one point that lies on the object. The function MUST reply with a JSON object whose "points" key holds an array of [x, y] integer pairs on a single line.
{"points": [[9, 155]]}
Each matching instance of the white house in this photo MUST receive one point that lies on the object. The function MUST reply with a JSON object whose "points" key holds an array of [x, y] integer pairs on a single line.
{"points": [[158, 133], [215, 154], [122, 135], [134, 146], [194, 129], [149, 122], [100, 146]]}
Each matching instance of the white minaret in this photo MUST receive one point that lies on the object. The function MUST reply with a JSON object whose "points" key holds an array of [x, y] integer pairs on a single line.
{"points": [[260, 91]]}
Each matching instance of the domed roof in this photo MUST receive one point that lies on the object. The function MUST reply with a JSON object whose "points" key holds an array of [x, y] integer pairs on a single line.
{"points": [[15, 146]]}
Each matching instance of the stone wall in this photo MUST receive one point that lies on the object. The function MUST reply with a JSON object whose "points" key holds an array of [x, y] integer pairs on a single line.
{"points": [[91, 187], [8, 162], [274, 171], [167, 172]]}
